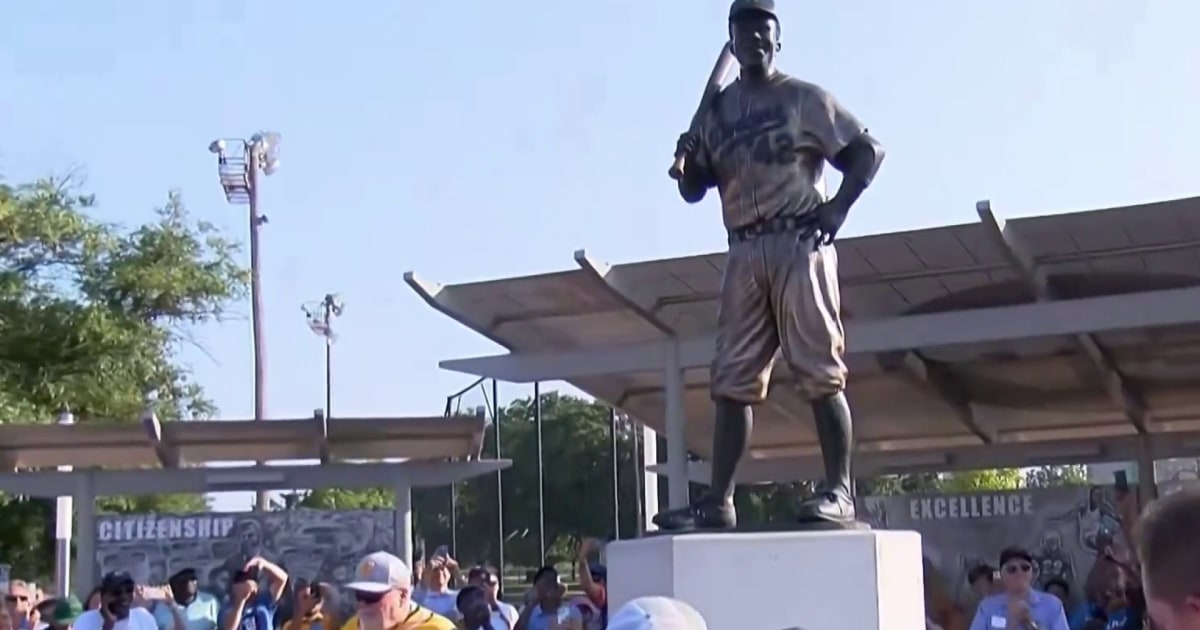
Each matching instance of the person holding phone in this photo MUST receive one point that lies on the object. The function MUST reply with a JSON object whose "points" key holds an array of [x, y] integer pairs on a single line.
{"points": [[183, 606], [437, 580], [593, 579], [546, 609], [250, 608], [116, 611], [314, 609]]}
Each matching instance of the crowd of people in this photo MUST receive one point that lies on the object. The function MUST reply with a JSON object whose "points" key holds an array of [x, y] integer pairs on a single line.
{"points": [[1155, 587], [385, 594]]}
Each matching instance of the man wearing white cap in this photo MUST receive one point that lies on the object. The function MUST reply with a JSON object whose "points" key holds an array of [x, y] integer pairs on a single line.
{"points": [[657, 613], [382, 590]]}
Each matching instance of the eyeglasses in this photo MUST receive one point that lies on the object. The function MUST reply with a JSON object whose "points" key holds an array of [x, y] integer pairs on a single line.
{"points": [[12, 599], [368, 598], [1022, 567]]}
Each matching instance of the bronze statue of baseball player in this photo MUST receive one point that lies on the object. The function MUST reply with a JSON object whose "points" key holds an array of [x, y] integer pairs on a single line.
{"points": [[763, 143]]}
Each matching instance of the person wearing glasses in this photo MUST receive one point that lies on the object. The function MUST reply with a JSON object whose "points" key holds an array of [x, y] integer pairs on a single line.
{"points": [[1018, 606], [383, 598], [19, 602]]}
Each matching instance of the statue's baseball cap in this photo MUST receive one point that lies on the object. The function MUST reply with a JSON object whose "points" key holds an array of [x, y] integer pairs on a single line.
{"points": [[656, 613], [380, 572], [760, 6]]}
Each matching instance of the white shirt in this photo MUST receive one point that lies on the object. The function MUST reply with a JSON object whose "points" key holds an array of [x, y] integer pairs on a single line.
{"points": [[138, 619], [504, 617]]}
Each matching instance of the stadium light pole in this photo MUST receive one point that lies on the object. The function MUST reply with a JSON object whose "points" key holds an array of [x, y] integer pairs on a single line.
{"points": [[320, 320], [239, 162], [541, 473]]}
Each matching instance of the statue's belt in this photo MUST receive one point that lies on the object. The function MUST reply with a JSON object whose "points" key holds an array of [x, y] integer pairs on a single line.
{"points": [[805, 224]]}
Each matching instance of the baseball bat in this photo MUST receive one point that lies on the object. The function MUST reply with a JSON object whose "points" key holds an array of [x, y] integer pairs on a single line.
{"points": [[715, 79]]}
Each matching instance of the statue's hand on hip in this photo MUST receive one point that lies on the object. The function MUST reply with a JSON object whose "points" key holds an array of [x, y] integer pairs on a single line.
{"points": [[830, 217]]}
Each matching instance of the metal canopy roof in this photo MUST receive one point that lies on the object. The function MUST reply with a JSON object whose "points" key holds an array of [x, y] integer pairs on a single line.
{"points": [[179, 444], [1050, 328]]}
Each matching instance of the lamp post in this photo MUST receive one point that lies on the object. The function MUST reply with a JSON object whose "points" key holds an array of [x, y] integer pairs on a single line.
{"points": [[238, 164], [320, 320]]}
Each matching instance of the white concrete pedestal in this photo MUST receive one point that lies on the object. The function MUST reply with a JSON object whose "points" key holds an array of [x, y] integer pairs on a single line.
{"points": [[834, 580]]}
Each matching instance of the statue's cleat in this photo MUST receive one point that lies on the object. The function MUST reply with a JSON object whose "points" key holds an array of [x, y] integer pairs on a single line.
{"points": [[831, 506], [703, 514]]}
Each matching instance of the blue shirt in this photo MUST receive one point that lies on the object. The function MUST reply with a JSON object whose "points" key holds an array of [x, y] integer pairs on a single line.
{"points": [[257, 614], [540, 620], [1129, 618], [201, 614], [1046, 611], [444, 604]]}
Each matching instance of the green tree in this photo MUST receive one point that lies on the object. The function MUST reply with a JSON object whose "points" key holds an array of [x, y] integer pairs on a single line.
{"points": [[982, 480], [916, 483], [1056, 476], [338, 499], [92, 317], [576, 450]]}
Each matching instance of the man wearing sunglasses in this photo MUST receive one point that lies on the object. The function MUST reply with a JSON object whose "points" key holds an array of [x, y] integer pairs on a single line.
{"points": [[1018, 606], [19, 602], [383, 598]]}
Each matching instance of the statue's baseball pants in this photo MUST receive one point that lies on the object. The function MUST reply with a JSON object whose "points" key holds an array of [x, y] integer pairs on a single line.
{"points": [[778, 294]]}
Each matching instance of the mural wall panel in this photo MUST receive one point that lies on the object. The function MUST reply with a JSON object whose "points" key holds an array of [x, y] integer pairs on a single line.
{"points": [[310, 544], [1064, 529]]}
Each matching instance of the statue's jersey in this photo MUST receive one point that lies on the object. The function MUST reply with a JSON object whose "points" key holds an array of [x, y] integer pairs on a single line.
{"points": [[767, 145]]}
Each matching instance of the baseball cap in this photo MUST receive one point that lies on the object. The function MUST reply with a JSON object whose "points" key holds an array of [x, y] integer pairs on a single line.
{"points": [[66, 611], [380, 572], [116, 580], [762, 6], [183, 575], [657, 613]]}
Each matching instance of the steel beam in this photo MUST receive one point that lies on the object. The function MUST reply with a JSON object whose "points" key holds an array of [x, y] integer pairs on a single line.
{"points": [[1149, 309], [1022, 260], [944, 384], [200, 480], [610, 280]]}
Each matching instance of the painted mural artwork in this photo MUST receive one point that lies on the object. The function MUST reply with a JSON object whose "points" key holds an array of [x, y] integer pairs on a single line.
{"points": [[1063, 528], [309, 544]]}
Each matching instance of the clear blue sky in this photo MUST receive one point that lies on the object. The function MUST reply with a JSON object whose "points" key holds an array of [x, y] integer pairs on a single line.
{"points": [[478, 139]]}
